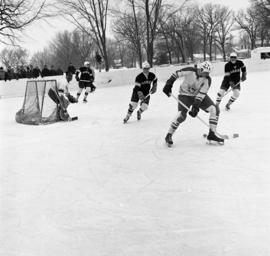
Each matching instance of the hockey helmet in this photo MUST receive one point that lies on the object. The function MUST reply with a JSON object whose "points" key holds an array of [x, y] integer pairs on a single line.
{"points": [[205, 67], [233, 55], [145, 65], [86, 63]]}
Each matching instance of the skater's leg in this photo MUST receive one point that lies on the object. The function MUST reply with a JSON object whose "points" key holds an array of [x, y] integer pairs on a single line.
{"points": [[225, 85], [213, 117], [143, 107], [131, 107], [236, 94], [79, 93], [87, 90], [180, 117], [220, 95]]}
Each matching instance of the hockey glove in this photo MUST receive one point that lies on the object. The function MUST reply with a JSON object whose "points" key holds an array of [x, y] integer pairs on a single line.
{"points": [[231, 83], [244, 76], [140, 95], [194, 111], [195, 108]]}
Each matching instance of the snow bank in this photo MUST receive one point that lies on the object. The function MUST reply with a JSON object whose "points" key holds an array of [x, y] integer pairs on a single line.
{"points": [[126, 77]]}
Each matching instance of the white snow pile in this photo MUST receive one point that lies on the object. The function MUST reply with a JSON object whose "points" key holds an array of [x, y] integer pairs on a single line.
{"points": [[98, 187]]}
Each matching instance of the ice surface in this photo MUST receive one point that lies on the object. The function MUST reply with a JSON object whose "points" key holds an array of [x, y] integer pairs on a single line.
{"points": [[98, 187]]}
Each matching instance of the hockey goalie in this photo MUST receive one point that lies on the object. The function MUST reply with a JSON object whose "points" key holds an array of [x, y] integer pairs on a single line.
{"points": [[44, 103]]}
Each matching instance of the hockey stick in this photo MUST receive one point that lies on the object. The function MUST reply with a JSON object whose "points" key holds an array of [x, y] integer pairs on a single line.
{"points": [[105, 82], [185, 106], [205, 123], [231, 88], [145, 97]]}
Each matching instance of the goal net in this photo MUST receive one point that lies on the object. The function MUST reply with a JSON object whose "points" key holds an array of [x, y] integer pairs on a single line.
{"points": [[38, 107]]}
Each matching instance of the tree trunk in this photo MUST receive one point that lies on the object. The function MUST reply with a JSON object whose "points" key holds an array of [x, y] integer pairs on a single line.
{"points": [[210, 48]]}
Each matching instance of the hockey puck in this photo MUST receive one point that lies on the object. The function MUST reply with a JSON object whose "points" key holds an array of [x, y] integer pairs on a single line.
{"points": [[235, 135]]}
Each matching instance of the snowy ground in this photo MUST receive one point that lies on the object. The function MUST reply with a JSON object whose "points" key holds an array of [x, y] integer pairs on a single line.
{"points": [[98, 187]]}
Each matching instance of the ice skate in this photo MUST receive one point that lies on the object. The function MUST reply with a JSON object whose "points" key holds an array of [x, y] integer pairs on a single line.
{"points": [[126, 119], [168, 140], [212, 137], [84, 100], [227, 107], [93, 89], [139, 115]]}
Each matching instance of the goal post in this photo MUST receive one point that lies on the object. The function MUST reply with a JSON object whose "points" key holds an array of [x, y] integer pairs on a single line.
{"points": [[38, 108]]}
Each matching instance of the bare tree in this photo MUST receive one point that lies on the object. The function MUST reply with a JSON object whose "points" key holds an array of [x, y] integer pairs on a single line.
{"points": [[130, 26], [66, 47], [152, 12], [264, 6], [83, 47], [224, 27], [203, 29], [14, 57], [248, 21], [16, 15], [75, 47], [43, 58], [90, 16]]}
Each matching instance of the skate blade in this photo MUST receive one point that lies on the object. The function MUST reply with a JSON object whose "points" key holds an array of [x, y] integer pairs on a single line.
{"points": [[214, 143], [168, 144], [225, 137]]}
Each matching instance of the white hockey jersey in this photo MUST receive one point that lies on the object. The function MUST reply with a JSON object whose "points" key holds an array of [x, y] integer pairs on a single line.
{"points": [[192, 85], [63, 85]]}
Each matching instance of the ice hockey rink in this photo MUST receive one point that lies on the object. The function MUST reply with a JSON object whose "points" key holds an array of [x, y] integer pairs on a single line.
{"points": [[101, 188]]}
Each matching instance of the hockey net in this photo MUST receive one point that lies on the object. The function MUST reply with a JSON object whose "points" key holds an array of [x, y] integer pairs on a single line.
{"points": [[38, 107]]}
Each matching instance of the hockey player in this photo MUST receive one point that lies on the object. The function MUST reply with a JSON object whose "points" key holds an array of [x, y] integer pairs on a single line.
{"points": [[141, 91], [85, 76], [62, 97], [232, 79], [193, 92], [63, 87]]}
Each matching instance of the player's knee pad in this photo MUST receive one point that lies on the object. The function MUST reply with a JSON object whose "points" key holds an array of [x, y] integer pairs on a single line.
{"points": [[144, 106], [212, 110], [221, 93], [236, 93], [133, 105]]}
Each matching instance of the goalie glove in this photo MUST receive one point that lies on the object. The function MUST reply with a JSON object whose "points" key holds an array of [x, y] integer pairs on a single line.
{"points": [[140, 95]]}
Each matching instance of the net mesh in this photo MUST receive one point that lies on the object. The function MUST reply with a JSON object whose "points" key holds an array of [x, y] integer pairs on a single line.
{"points": [[38, 107]]}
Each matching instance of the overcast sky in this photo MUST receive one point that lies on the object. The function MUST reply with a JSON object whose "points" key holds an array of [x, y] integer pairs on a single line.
{"points": [[41, 33]]}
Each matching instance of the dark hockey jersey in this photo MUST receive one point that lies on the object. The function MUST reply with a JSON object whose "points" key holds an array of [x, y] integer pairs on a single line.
{"points": [[86, 74], [233, 70], [143, 82]]}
